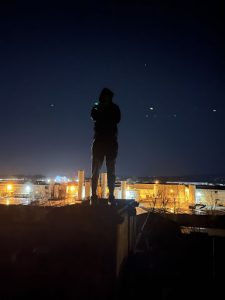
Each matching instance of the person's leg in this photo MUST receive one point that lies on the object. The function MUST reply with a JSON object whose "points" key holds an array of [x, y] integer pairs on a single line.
{"points": [[110, 165], [96, 166], [97, 161]]}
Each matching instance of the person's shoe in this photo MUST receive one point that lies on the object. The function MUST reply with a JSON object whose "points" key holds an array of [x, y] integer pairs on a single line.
{"points": [[112, 201], [94, 200]]}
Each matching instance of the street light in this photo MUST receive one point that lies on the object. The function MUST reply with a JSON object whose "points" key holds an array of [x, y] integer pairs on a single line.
{"points": [[72, 188], [9, 187], [28, 189]]}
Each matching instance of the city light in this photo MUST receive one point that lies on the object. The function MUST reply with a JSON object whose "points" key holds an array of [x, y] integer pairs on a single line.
{"points": [[145, 194], [72, 188], [61, 179], [131, 194], [28, 189], [9, 187]]}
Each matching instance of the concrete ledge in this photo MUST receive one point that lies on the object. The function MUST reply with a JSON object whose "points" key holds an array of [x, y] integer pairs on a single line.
{"points": [[68, 251]]}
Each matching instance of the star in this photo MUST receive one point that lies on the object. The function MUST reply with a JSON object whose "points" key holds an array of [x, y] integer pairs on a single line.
{"points": [[52, 105], [214, 110], [151, 108]]}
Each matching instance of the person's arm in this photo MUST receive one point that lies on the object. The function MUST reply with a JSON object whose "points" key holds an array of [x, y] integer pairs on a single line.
{"points": [[94, 113], [117, 114]]}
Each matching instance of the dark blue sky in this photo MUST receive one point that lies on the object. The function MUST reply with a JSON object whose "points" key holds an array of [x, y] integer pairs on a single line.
{"points": [[55, 59]]}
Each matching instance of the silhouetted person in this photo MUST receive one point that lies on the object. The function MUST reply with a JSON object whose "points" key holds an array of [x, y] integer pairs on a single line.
{"points": [[106, 115]]}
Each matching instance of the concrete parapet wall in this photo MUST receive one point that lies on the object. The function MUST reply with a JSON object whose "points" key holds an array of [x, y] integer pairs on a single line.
{"points": [[74, 250]]}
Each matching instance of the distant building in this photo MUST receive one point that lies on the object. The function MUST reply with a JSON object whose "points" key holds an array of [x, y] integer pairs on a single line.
{"points": [[172, 196], [210, 195], [24, 190]]}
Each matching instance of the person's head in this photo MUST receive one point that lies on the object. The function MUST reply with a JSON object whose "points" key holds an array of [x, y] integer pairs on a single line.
{"points": [[106, 96]]}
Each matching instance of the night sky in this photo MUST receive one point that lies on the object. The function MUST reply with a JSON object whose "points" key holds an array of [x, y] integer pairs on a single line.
{"points": [[165, 62]]}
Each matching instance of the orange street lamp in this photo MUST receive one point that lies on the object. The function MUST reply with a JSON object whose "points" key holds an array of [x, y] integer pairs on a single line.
{"points": [[9, 187]]}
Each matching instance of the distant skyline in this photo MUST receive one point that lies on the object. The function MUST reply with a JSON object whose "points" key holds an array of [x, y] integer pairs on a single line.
{"points": [[165, 63]]}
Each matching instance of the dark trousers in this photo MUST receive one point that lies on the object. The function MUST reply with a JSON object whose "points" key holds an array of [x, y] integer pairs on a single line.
{"points": [[104, 149]]}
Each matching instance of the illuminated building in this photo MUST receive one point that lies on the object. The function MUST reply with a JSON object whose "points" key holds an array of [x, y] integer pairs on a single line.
{"points": [[123, 189], [80, 184], [211, 196], [87, 189], [72, 189], [104, 184], [171, 196], [19, 189]]}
